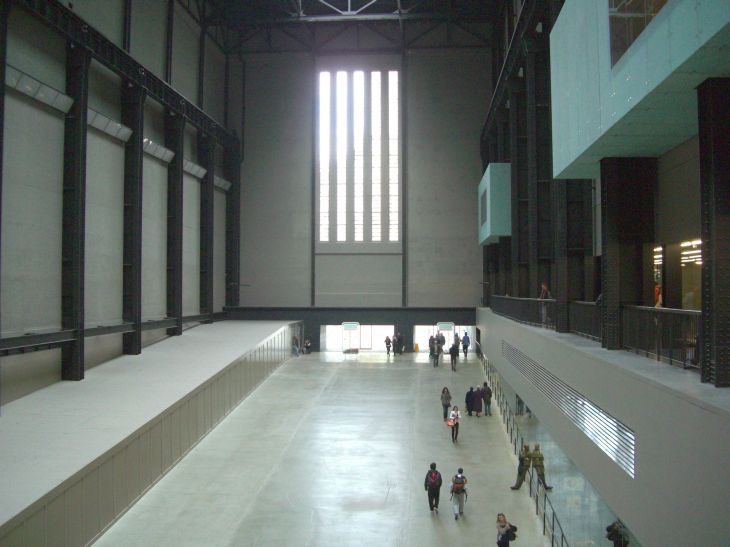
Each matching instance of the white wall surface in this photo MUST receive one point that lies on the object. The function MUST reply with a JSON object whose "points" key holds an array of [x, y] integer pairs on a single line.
{"points": [[31, 219], [277, 181], [109, 20], [105, 91], [682, 469], [358, 280], [191, 245], [185, 37], [148, 34], [25, 373], [154, 239], [219, 250], [447, 96], [678, 194], [103, 275], [215, 80], [235, 96], [43, 56]]}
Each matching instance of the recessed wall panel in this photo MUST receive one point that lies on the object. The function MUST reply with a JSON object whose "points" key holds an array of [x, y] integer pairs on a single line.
{"points": [[31, 217], [191, 245]]}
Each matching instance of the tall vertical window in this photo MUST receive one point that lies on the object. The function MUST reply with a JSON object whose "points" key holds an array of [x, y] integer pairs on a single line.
{"points": [[376, 155], [341, 156], [358, 127], [324, 156], [393, 156], [359, 156]]}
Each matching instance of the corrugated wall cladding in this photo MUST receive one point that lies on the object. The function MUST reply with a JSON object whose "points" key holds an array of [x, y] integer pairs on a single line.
{"points": [[613, 437]]}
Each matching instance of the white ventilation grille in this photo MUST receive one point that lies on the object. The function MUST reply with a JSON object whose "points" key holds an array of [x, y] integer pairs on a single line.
{"points": [[609, 434]]}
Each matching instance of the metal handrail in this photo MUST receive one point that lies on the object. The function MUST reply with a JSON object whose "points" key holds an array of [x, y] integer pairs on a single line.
{"points": [[550, 524], [666, 334], [539, 312]]}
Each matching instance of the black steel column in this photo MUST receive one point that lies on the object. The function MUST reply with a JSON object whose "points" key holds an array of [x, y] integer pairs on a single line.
{"points": [[169, 29], [78, 60], [133, 117], [561, 290], [518, 188], [206, 158], [174, 136], [4, 10], [714, 126], [627, 207], [232, 166], [534, 280]]}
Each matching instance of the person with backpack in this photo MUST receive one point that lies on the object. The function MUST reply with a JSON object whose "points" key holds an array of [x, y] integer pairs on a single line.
{"points": [[432, 484], [458, 493], [505, 531]]}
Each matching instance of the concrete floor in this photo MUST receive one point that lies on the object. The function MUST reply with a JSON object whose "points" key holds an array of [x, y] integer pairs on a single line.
{"points": [[333, 450]]}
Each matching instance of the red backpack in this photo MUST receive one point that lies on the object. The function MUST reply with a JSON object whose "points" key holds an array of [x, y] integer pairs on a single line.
{"points": [[433, 479], [458, 484]]}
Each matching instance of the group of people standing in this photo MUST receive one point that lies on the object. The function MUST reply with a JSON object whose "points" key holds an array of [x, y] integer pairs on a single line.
{"points": [[474, 399], [473, 402], [437, 343], [397, 343], [506, 532]]}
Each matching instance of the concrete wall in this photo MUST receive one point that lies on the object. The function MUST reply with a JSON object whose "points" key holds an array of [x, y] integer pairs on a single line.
{"points": [[30, 265], [276, 201], [678, 194], [681, 437], [657, 75], [441, 170]]}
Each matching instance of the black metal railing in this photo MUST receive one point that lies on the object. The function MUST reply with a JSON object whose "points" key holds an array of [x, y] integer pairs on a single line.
{"points": [[543, 507], [585, 319], [666, 334], [533, 311]]}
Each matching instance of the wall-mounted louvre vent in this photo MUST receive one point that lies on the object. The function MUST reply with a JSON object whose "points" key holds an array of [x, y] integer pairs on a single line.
{"points": [[609, 434]]}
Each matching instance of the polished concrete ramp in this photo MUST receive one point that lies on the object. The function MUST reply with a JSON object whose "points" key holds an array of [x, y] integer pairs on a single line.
{"points": [[333, 450]]}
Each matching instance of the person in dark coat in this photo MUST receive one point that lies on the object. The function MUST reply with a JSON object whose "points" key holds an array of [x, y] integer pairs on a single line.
{"points": [[469, 400], [616, 533], [432, 484], [454, 353], [478, 401], [487, 394]]}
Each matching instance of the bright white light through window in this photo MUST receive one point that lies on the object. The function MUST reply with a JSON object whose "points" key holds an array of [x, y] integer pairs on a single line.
{"points": [[393, 155], [341, 156], [361, 168], [324, 156], [358, 111], [376, 180]]}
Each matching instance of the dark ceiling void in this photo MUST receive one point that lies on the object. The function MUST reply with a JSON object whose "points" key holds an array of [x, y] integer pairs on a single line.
{"points": [[260, 26]]}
